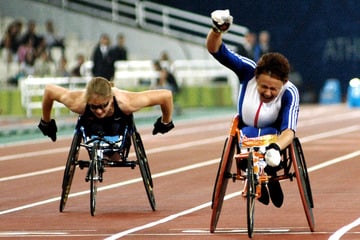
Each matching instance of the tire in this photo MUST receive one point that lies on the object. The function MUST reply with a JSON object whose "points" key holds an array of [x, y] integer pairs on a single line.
{"points": [[93, 177], [303, 182], [144, 168], [70, 169], [250, 194], [222, 179]]}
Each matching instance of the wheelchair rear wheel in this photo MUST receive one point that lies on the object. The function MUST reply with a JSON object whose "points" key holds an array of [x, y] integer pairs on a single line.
{"points": [[250, 195], [144, 168], [70, 169], [222, 179], [303, 182]]}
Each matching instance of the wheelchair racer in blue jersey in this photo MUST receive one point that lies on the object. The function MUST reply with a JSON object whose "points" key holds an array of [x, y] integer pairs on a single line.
{"points": [[268, 102]]}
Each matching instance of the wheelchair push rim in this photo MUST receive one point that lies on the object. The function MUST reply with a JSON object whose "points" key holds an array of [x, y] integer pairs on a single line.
{"points": [[144, 168], [222, 179], [303, 182], [70, 169]]}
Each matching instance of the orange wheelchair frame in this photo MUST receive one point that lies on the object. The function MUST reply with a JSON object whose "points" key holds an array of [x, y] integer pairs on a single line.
{"points": [[293, 165]]}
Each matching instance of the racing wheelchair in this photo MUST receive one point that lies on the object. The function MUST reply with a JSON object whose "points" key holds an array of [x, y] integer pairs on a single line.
{"points": [[251, 152], [99, 147]]}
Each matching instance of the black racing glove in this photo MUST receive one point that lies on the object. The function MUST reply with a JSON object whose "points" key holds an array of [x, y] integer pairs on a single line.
{"points": [[48, 128], [160, 127], [274, 146]]}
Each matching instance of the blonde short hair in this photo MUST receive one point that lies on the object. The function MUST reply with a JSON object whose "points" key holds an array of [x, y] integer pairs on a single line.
{"points": [[99, 86]]}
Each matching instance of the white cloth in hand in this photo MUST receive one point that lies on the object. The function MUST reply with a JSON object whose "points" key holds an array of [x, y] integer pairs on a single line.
{"points": [[222, 16], [272, 157]]}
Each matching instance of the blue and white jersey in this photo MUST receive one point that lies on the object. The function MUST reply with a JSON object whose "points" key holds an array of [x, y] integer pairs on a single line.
{"points": [[260, 118]]}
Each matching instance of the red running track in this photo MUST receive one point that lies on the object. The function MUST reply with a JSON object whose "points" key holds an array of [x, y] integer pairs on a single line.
{"points": [[184, 163]]}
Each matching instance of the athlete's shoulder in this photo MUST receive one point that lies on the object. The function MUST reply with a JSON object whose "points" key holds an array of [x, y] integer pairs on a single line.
{"points": [[291, 92]]}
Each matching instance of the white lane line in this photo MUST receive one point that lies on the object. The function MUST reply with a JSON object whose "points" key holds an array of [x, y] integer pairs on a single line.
{"points": [[213, 127], [115, 185], [327, 134], [148, 152], [168, 218], [339, 233], [32, 174], [228, 196], [334, 161], [305, 139], [34, 154], [160, 149]]}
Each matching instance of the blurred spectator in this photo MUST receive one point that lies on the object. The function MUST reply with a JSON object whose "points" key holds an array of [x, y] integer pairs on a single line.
{"points": [[44, 66], [119, 51], [249, 49], [11, 41], [27, 67], [164, 56], [23, 50], [76, 71], [31, 34], [41, 47], [51, 37], [61, 70], [264, 42], [165, 60], [165, 78], [103, 62]]}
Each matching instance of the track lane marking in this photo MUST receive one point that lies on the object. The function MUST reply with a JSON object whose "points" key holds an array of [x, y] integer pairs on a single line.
{"points": [[228, 196], [160, 149], [342, 231], [132, 154], [115, 185], [168, 218]]}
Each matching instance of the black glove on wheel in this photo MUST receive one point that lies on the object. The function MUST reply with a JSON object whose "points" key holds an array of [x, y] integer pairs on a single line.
{"points": [[274, 146], [160, 127], [48, 128]]}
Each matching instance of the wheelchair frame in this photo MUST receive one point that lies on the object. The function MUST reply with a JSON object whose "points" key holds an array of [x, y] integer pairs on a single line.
{"points": [[97, 163], [292, 165]]}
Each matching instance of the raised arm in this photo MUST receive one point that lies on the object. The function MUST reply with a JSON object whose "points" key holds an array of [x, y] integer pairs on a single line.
{"points": [[221, 20], [213, 41]]}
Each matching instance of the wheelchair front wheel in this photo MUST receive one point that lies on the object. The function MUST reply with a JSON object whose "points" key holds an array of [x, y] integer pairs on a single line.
{"points": [[303, 182], [250, 195], [144, 168], [222, 179], [70, 169], [94, 177]]}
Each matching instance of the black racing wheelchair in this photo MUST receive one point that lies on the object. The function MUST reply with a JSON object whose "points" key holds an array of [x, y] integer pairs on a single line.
{"points": [[100, 148]]}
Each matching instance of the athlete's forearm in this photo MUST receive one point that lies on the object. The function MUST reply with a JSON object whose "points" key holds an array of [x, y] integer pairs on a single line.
{"points": [[213, 41]]}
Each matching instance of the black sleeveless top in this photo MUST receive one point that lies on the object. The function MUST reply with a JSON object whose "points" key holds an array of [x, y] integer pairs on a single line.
{"points": [[108, 126]]}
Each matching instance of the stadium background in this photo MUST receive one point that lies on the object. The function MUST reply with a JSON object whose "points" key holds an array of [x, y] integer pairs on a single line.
{"points": [[320, 38]]}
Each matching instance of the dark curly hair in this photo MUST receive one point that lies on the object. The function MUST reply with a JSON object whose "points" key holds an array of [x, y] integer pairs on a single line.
{"points": [[275, 65]]}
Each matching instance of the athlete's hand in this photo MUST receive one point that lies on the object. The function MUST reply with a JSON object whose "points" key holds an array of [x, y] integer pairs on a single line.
{"points": [[272, 155], [160, 127], [221, 20], [48, 128]]}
